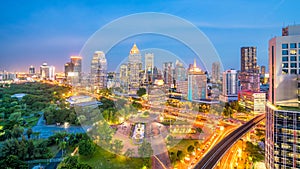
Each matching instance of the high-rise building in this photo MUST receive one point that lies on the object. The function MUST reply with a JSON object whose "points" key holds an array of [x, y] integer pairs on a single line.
{"points": [[216, 72], [123, 76], [168, 73], [44, 71], [134, 68], [230, 86], [76, 61], [69, 67], [31, 70], [197, 83], [263, 70], [249, 60], [249, 76], [98, 71], [282, 110], [73, 70], [149, 65], [51, 73], [180, 72]]}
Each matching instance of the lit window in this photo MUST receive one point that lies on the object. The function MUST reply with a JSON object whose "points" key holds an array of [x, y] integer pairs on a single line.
{"points": [[285, 46], [285, 71], [293, 52], [285, 52], [293, 45]]}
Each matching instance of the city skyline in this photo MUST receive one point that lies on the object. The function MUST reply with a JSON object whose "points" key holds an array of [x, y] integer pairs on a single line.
{"points": [[40, 32]]}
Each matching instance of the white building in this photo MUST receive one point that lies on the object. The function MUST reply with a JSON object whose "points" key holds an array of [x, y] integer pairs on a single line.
{"points": [[230, 86], [98, 71], [282, 110], [134, 68]]}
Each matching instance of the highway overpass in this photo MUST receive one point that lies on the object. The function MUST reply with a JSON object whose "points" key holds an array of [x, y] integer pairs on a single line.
{"points": [[216, 153]]}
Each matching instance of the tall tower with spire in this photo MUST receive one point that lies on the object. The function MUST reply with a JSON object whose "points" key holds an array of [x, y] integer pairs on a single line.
{"points": [[197, 83], [134, 68]]}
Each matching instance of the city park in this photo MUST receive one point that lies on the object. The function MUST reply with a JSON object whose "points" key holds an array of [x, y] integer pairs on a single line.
{"points": [[140, 129]]}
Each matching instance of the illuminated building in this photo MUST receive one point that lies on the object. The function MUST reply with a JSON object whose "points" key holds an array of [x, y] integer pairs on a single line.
{"points": [[73, 70], [282, 144], [216, 72], [47, 72], [134, 68], [168, 74], [230, 86], [98, 71], [149, 65], [180, 72], [249, 76], [253, 102], [197, 83], [31, 70]]}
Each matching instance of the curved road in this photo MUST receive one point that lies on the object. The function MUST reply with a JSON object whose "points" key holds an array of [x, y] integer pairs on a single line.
{"points": [[216, 153]]}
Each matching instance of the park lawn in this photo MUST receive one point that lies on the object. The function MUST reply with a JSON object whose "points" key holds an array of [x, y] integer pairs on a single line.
{"points": [[182, 145], [104, 159]]}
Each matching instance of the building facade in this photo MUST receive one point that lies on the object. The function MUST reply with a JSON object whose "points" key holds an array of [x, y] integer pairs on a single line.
{"points": [[149, 65], [216, 72], [98, 71], [230, 86], [197, 84], [134, 67], [168, 74], [282, 143], [249, 76]]}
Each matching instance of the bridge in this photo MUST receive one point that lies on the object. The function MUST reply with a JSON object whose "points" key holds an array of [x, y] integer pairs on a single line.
{"points": [[216, 153]]}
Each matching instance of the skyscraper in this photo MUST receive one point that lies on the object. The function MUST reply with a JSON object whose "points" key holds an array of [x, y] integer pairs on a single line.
{"points": [[149, 65], [249, 76], [180, 71], [283, 113], [216, 72], [123, 76], [134, 68], [168, 73], [197, 83], [76, 62], [230, 86], [44, 71], [263, 70], [31, 70], [69, 67], [249, 60], [98, 71]]}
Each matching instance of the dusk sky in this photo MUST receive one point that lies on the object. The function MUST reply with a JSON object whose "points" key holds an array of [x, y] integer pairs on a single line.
{"points": [[37, 31]]}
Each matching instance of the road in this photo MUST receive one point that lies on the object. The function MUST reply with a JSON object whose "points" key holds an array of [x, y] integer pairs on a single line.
{"points": [[216, 153]]}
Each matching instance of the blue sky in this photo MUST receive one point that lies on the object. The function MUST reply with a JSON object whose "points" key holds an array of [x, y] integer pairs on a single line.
{"points": [[34, 31]]}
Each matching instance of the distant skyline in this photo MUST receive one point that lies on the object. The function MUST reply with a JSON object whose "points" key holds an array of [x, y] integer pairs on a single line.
{"points": [[33, 32]]}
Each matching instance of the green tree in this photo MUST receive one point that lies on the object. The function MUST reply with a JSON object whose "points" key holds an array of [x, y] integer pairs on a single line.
{"points": [[117, 146], [129, 153], [141, 92], [180, 155], [87, 147], [73, 163], [190, 149], [12, 162], [145, 149], [29, 132]]}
